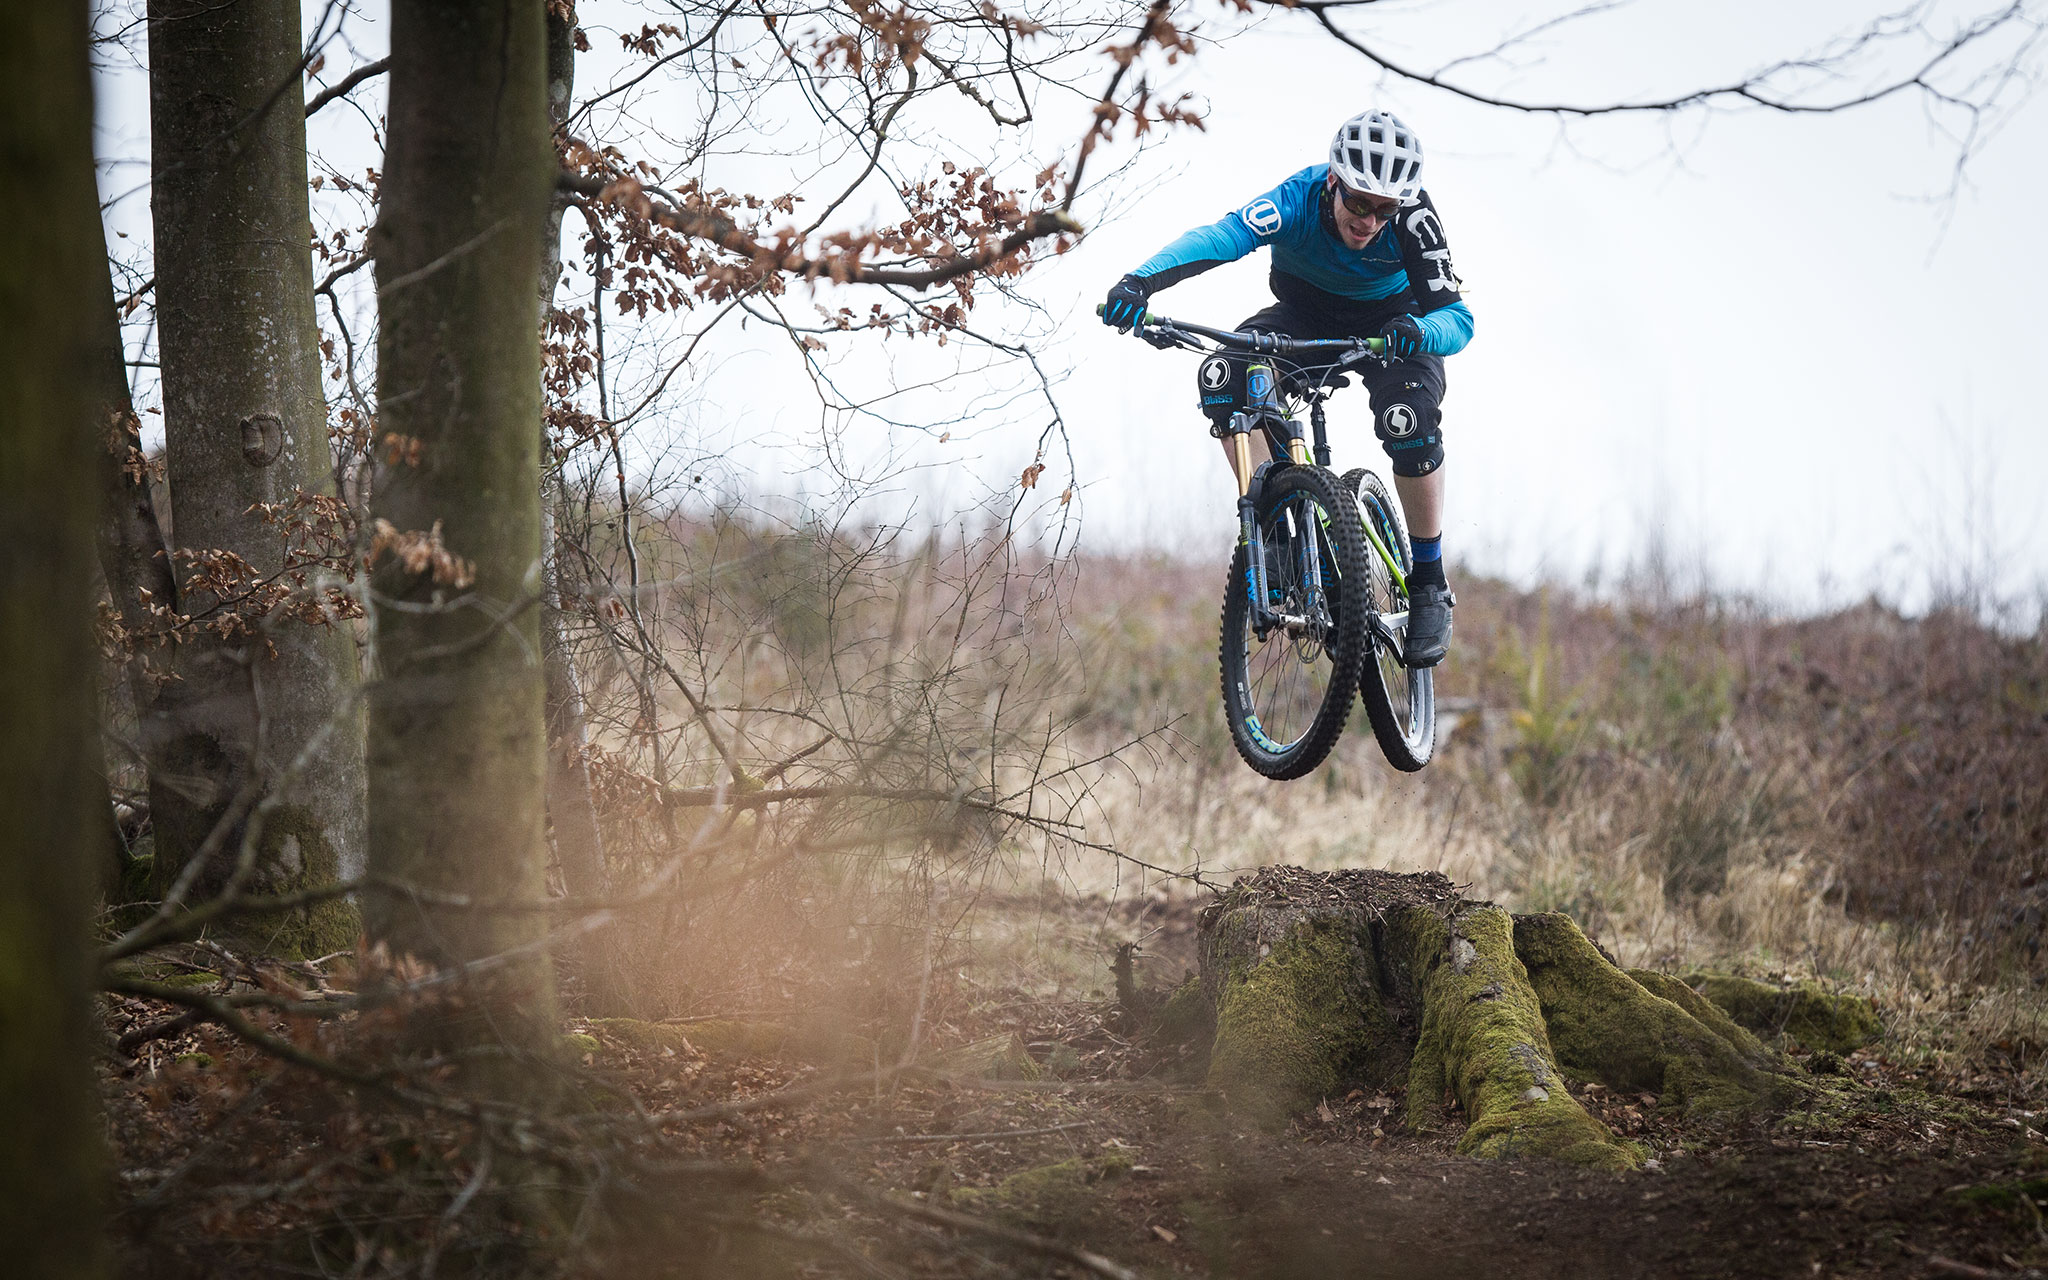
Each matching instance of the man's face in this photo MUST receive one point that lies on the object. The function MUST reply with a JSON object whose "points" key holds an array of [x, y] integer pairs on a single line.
{"points": [[1354, 228]]}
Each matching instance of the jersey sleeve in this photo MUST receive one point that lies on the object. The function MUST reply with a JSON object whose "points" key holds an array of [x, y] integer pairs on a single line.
{"points": [[1426, 256], [1225, 240], [1446, 330]]}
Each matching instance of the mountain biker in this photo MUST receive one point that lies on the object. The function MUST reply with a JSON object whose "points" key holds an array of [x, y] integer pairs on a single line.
{"points": [[1357, 252]]}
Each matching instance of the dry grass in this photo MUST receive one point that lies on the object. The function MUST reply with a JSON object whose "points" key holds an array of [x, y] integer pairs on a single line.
{"points": [[1860, 796]]}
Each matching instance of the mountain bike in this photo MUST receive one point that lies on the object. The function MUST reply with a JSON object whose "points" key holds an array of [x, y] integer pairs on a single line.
{"points": [[1316, 603]]}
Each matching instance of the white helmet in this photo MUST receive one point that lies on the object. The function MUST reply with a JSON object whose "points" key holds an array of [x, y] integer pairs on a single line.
{"points": [[1375, 153]]}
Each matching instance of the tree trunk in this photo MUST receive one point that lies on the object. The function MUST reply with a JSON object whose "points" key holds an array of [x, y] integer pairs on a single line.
{"points": [[457, 742], [579, 842], [133, 558], [246, 423], [1315, 981], [52, 1184]]}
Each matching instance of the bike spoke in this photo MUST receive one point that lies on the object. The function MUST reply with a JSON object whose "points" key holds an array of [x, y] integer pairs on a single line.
{"points": [[1289, 673]]}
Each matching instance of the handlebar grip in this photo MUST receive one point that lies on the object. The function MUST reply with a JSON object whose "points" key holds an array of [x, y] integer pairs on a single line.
{"points": [[1101, 307]]}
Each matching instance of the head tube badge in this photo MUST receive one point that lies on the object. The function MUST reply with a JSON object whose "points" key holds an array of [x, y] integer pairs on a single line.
{"points": [[1258, 382]]}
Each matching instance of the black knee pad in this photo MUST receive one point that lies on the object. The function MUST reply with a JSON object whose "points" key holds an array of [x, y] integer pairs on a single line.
{"points": [[1220, 384], [1411, 431]]}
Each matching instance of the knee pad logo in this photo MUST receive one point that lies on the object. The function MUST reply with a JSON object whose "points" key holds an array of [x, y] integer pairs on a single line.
{"points": [[1262, 216], [1215, 373], [1400, 420]]}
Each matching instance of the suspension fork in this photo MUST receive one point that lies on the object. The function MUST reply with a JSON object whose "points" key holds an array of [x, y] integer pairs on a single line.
{"points": [[1239, 430]]}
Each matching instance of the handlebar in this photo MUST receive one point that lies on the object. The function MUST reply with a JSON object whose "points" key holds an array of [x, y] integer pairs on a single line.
{"points": [[1183, 333]]}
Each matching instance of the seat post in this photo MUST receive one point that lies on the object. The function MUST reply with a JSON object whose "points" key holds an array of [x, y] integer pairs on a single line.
{"points": [[1322, 435]]}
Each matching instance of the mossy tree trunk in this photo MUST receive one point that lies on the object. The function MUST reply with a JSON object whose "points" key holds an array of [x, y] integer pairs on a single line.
{"points": [[1319, 980], [245, 423], [52, 806], [457, 745]]}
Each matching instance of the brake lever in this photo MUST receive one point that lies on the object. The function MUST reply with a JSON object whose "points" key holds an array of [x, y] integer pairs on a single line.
{"points": [[1367, 349]]}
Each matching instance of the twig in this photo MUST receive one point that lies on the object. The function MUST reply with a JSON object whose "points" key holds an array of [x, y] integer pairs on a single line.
{"points": [[974, 1137], [348, 82], [1027, 1240], [705, 224], [761, 1101], [1950, 1267], [135, 1039]]}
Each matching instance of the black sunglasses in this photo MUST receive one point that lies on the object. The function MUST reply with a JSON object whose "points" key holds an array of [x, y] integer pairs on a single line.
{"points": [[1364, 206]]}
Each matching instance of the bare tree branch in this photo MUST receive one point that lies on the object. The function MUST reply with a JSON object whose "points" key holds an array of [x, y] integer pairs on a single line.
{"points": [[367, 71]]}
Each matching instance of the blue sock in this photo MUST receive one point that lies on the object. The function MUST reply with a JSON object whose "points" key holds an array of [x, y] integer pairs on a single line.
{"points": [[1429, 560]]}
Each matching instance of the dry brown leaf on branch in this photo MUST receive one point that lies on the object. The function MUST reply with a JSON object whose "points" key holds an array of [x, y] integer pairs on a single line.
{"points": [[420, 552]]}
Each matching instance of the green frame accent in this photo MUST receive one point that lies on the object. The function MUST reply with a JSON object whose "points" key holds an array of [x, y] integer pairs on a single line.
{"points": [[1372, 535]]}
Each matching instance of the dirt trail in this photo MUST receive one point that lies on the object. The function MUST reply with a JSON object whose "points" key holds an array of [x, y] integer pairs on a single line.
{"points": [[1167, 1185]]}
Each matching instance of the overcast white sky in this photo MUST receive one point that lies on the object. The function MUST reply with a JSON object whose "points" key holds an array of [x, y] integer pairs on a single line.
{"points": [[1780, 347], [1766, 341]]}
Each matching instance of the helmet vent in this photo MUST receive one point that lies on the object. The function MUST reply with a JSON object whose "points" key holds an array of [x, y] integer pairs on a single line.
{"points": [[1375, 153]]}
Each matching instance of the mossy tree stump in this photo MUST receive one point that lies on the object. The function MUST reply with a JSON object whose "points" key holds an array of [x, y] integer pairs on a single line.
{"points": [[1316, 980]]}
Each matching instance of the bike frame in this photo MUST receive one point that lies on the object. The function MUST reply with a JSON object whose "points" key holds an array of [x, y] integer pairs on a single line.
{"points": [[1267, 396]]}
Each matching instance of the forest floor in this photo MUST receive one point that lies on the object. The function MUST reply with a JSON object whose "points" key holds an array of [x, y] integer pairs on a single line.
{"points": [[1857, 798], [1918, 1173]]}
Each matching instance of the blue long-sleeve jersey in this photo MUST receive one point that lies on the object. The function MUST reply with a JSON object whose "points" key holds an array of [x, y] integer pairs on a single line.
{"points": [[1312, 266]]}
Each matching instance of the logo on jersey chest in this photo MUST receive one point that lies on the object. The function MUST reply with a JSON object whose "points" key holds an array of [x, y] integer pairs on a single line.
{"points": [[1262, 216]]}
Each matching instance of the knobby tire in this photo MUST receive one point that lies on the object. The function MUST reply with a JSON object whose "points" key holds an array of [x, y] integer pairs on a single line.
{"points": [[1287, 697], [1400, 701]]}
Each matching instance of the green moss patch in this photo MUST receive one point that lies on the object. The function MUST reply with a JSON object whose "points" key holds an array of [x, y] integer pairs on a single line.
{"points": [[295, 856], [1483, 1039], [188, 980], [1710, 1015], [733, 1038], [2004, 1197], [1609, 1026], [1052, 1193], [1292, 1026], [1186, 1016], [1804, 1012]]}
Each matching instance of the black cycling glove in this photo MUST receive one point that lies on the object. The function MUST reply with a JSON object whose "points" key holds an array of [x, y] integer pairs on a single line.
{"points": [[1126, 303], [1402, 336]]}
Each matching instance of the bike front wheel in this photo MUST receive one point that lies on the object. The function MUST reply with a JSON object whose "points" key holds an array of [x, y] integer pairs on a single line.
{"points": [[1288, 675], [1400, 701]]}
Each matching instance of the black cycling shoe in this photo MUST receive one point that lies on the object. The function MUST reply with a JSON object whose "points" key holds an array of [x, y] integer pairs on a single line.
{"points": [[1429, 625]]}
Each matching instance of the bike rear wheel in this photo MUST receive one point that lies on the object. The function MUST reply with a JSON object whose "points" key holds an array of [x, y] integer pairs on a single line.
{"points": [[1287, 693], [1400, 701]]}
